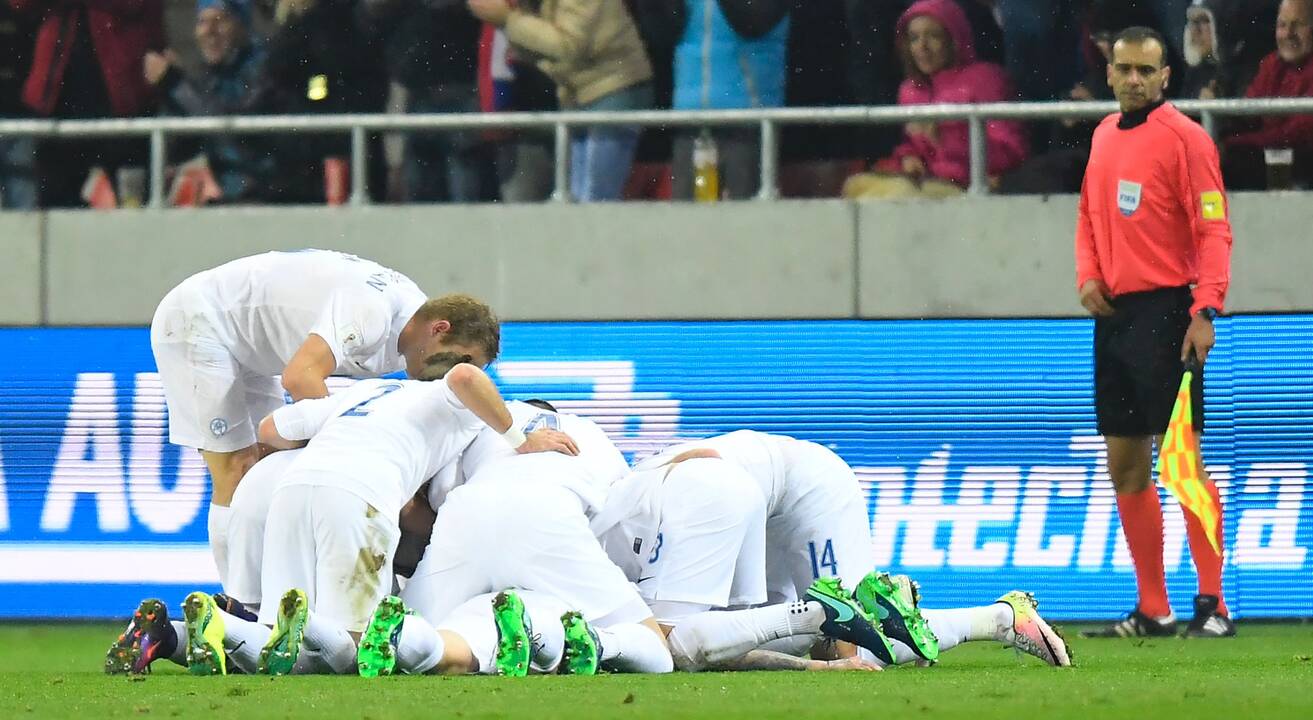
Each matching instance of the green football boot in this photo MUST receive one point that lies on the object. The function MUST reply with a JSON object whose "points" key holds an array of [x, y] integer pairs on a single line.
{"points": [[583, 651], [377, 654], [281, 650], [514, 637], [205, 632], [893, 602], [845, 620]]}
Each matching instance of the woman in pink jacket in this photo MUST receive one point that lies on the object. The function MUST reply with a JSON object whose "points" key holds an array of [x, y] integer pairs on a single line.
{"points": [[939, 58]]}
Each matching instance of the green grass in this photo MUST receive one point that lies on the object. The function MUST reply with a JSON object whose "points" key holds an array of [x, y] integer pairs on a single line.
{"points": [[53, 671]]}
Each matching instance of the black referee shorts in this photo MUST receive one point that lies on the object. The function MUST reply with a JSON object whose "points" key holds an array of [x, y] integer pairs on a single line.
{"points": [[1137, 363]]}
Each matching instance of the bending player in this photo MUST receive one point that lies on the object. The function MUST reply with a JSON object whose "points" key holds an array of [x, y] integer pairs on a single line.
{"points": [[221, 336]]}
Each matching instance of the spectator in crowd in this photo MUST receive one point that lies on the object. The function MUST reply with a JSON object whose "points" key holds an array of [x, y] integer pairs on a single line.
{"points": [[874, 58], [431, 48], [593, 52], [320, 60], [1040, 41], [1224, 42], [86, 63], [17, 154], [731, 56], [1166, 16], [938, 53], [1286, 72], [509, 84], [225, 86], [1061, 168]]}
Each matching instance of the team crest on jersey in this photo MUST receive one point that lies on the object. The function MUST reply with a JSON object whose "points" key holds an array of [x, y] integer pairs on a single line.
{"points": [[218, 426], [1128, 196], [350, 335]]}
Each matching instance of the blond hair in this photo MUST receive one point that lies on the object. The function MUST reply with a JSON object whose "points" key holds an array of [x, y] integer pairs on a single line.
{"points": [[472, 321]]}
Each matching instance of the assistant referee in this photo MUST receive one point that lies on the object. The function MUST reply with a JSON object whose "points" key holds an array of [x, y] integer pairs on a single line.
{"points": [[1153, 256]]}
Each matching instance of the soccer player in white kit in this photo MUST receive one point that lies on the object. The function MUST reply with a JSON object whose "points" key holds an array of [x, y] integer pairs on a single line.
{"points": [[222, 335], [333, 518], [520, 522], [817, 525], [691, 534]]}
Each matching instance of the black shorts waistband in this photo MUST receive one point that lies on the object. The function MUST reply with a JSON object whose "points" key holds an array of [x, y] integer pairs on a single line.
{"points": [[1157, 295]]}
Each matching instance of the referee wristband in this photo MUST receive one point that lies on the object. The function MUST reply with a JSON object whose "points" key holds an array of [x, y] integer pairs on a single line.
{"points": [[515, 436]]}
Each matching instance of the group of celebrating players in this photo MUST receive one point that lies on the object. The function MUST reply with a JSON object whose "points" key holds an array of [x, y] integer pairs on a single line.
{"points": [[427, 525]]}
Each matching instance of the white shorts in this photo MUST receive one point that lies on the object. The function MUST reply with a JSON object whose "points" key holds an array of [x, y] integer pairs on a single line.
{"points": [[472, 620], [710, 543], [525, 535], [214, 404], [334, 546], [250, 507], [822, 527]]}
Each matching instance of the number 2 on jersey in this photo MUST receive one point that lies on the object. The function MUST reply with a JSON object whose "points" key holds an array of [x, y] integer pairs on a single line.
{"points": [[361, 408], [826, 560], [549, 421]]}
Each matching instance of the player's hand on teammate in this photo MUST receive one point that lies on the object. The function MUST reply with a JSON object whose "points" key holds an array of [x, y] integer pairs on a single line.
{"points": [[1199, 339], [546, 440], [1094, 296]]}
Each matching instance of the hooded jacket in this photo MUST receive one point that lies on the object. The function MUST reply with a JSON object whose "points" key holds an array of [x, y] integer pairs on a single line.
{"points": [[967, 80]]}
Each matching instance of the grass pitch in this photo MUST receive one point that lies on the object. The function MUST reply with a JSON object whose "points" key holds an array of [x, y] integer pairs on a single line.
{"points": [[54, 671]]}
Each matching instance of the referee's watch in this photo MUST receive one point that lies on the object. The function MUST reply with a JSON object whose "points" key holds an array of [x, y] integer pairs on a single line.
{"points": [[1208, 313]]}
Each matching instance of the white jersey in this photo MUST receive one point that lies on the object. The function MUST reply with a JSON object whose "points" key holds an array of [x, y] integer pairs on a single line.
{"points": [[263, 308], [378, 439], [588, 474], [764, 457]]}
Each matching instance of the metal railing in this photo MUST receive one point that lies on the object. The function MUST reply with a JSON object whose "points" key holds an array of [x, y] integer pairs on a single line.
{"points": [[769, 121]]}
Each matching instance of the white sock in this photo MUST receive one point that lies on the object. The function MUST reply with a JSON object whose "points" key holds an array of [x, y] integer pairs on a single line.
{"points": [[710, 638], [634, 648], [419, 646], [797, 646], [954, 627], [328, 646], [217, 523], [179, 656], [548, 636], [243, 640]]}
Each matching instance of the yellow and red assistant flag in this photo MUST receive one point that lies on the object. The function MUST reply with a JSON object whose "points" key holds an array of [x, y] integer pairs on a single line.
{"points": [[1179, 465]]}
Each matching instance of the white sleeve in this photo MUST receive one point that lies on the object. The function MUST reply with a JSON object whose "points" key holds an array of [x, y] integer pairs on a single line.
{"points": [[355, 326], [302, 419], [442, 392]]}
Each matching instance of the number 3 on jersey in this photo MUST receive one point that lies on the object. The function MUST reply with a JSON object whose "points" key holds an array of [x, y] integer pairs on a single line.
{"points": [[361, 408], [826, 560]]}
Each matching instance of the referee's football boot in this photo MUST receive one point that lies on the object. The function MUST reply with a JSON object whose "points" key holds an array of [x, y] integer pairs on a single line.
{"points": [[148, 637], [893, 601], [205, 631], [1031, 634], [377, 654], [1136, 624], [280, 652], [514, 635], [1208, 622], [846, 620], [583, 651]]}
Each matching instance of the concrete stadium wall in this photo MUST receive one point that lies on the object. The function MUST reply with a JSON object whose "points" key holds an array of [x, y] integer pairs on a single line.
{"points": [[22, 275], [970, 257]]}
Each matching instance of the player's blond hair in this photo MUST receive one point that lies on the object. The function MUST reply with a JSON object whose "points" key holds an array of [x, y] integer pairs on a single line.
{"points": [[472, 321]]}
